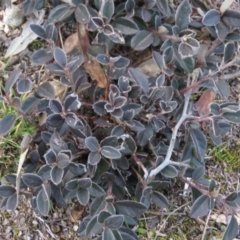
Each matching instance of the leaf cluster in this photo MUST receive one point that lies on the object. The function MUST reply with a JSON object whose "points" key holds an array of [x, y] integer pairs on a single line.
{"points": [[132, 136]]}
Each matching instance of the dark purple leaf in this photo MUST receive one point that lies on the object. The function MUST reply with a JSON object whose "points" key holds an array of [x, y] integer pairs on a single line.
{"points": [[200, 207], [83, 196], [114, 222], [169, 172], [96, 191], [211, 18], [163, 7], [110, 152], [140, 79], [200, 143], [108, 234], [232, 229], [185, 50], [62, 160], [98, 107], [82, 14], [6, 124], [24, 86], [92, 143], [108, 30], [46, 90], [60, 56], [85, 183], [98, 22], [7, 191], [183, 13], [41, 57], [103, 215], [32, 180], [55, 120], [233, 117], [93, 227], [56, 175], [29, 104], [51, 32], [55, 106], [72, 103], [130, 208], [42, 203], [38, 30], [94, 158], [126, 26], [12, 79], [107, 9], [12, 202], [159, 199], [103, 59], [75, 63], [60, 12], [231, 18], [142, 40]]}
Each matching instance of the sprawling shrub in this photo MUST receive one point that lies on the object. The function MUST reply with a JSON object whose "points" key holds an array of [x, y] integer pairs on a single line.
{"points": [[115, 133]]}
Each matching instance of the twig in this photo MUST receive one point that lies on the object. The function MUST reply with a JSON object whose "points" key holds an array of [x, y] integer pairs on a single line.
{"points": [[206, 224], [167, 160], [171, 214], [230, 75]]}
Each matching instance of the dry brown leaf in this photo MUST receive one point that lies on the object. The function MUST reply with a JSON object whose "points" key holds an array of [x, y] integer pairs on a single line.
{"points": [[71, 43], [91, 65], [204, 101], [95, 71], [75, 215]]}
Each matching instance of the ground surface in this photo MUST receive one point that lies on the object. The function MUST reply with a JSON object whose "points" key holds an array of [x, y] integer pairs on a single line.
{"points": [[174, 223]]}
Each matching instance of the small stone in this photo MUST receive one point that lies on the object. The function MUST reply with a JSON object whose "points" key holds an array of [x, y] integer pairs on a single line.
{"points": [[149, 68], [75, 228], [34, 222], [5, 222], [55, 228], [13, 16]]}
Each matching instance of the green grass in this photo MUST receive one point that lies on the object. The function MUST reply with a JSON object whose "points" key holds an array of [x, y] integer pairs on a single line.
{"points": [[10, 144], [228, 157]]}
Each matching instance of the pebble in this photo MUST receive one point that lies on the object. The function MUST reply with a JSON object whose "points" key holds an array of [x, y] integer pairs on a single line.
{"points": [[13, 16]]}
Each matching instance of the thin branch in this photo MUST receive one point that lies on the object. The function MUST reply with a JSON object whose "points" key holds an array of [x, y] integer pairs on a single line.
{"points": [[206, 224], [230, 75], [167, 160]]}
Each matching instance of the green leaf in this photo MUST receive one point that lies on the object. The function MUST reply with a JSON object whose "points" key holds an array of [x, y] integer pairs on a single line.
{"points": [[163, 7], [6, 124], [232, 229], [200, 142], [200, 207], [183, 13], [198, 173], [60, 12], [130, 208], [56, 175], [231, 18]]}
